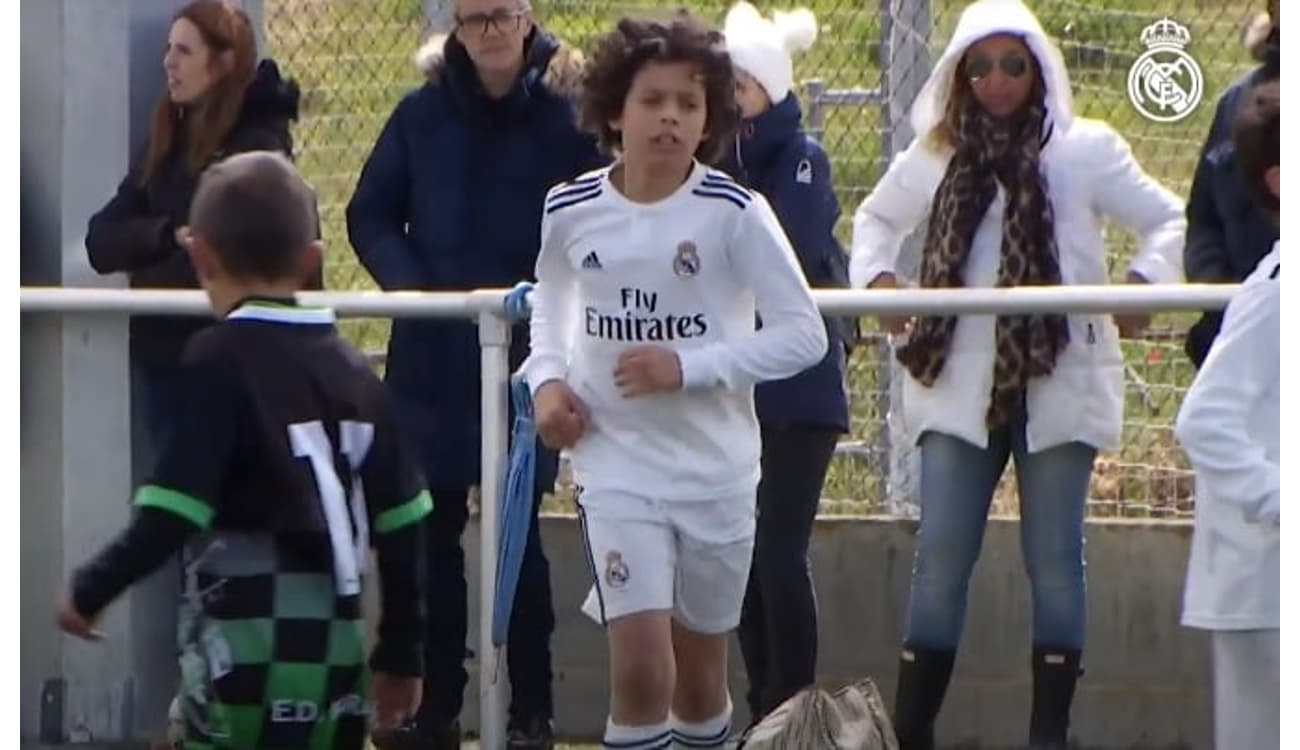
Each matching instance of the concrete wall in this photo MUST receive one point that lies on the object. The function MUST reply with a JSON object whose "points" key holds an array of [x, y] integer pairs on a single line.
{"points": [[1146, 682]]}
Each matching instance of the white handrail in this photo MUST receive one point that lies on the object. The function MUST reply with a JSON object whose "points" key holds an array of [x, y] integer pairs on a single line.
{"points": [[487, 307], [1066, 299]]}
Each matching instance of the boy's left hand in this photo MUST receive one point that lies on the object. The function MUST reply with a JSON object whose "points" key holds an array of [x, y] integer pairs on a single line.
{"points": [[72, 623], [643, 370]]}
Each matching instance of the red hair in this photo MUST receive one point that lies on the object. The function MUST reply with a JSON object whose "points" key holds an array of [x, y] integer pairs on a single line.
{"points": [[226, 30]]}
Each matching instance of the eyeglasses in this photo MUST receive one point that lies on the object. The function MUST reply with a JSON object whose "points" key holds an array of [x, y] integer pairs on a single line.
{"points": [[979, 66], [504, 21]]}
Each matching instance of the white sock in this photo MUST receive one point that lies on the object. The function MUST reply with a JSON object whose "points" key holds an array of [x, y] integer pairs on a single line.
{"points": [[648, 737], [706, 735]]}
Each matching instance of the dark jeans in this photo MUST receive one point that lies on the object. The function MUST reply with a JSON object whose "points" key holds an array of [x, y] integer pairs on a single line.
{"points": [[155, 401], [528, 646], [778, 623]]}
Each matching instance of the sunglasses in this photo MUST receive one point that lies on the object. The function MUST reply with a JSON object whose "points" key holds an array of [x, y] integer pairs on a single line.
{"points": [[979, 66]]}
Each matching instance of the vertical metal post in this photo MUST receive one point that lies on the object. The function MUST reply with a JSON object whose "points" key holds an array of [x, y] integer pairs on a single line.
{"points": [[881, 453], [439, 15], [494, 343], [906, 68], [256, 10], [815, 117]]}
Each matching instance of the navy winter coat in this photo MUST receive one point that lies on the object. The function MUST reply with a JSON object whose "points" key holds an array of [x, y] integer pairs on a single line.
{"points": [[774, 156], [1227, 232], [451, 200]]}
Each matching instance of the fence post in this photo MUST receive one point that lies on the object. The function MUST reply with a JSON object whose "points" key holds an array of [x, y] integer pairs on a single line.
{"points": [[815, 117], [906, 66], [256, 10], [438, 15], [494, 340]]}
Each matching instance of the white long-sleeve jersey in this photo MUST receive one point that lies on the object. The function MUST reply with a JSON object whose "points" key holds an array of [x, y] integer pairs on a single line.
{"points": [[687, 273], [1230, 426]]}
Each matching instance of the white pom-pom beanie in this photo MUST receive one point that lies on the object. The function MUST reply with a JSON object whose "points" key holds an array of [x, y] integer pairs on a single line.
{"points": [[763, 47]]}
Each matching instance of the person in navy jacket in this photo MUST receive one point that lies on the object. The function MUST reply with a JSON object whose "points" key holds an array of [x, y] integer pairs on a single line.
{"points": [[803, 416], [1228, 233], [451, 199]]}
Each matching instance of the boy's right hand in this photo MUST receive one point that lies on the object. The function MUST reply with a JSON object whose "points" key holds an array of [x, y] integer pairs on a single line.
{"points": [[891, 323], [396, 698], [561, 416]]}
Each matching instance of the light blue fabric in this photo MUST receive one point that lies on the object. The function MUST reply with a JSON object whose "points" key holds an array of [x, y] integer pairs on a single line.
{"points": [[516, 507]]}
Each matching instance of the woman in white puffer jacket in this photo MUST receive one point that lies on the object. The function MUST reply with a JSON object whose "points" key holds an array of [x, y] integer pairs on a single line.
{"points": [[1015, 188]]}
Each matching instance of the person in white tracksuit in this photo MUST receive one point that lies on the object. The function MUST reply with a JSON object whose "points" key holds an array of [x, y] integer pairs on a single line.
{"points": [[1229, 426], [1016, 188]]}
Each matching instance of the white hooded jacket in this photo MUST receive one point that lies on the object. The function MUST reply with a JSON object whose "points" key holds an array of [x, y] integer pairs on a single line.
{"points": [[1091, 174]]}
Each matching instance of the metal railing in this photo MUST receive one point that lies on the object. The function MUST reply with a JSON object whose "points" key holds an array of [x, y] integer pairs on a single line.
{"points": [[487, 308]]}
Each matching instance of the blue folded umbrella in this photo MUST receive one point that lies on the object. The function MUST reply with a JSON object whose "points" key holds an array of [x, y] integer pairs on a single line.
{"points": [[516, 509]]}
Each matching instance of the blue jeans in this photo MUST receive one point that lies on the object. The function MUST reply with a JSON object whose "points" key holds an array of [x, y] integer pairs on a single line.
{"points": [[957, 484]]}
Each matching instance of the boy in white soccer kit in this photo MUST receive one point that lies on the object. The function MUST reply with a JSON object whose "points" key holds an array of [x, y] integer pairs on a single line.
{"points": [[644, 356], [668, 478], [1230, 427]]}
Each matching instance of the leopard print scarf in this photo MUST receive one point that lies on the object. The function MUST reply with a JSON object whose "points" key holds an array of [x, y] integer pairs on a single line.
{"points": [[988, 153]]}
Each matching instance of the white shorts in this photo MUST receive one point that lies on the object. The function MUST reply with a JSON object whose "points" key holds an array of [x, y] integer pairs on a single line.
{"points": [[691, 557]]}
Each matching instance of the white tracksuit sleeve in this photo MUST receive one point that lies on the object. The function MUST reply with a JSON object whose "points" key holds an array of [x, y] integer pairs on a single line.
{"points": [[793, 336], [1214, 422], [553, 300]]}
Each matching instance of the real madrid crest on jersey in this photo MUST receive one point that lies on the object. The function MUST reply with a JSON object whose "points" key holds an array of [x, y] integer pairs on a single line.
{"points": [[687, 261]]}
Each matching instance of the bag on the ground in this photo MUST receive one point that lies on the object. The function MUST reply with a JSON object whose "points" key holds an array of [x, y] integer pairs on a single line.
{"points": [[851, 718]]}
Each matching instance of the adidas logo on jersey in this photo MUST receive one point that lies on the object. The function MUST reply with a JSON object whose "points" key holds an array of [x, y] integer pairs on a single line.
{"points": [[592, 261]]}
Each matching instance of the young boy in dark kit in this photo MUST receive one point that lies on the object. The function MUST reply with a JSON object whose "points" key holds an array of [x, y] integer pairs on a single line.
{"points": [[283, 470]]}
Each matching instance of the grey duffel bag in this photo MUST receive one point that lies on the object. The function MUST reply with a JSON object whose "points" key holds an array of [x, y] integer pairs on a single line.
{"points": [[851, 718]]}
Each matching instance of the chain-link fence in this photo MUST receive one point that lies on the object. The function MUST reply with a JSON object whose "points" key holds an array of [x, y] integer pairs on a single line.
{"points": [[353, 59]]}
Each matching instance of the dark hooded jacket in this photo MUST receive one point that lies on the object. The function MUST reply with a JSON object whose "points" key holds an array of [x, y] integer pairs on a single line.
{"points": [[774, 156], [135, 231], [450, 199], [1227, 231]]}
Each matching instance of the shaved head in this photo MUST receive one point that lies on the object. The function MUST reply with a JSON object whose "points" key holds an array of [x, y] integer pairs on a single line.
{"points": [[256, 213]]}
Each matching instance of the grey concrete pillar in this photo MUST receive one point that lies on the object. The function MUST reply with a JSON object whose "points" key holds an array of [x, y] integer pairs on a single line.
{"points": [[91, 72]]}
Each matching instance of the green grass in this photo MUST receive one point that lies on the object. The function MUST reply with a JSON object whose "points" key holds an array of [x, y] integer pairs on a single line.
{"points": [[353, 61]]}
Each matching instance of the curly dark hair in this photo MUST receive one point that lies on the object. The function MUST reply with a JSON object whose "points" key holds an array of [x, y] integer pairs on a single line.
{"points": [[1257, 139], [681, 37]]}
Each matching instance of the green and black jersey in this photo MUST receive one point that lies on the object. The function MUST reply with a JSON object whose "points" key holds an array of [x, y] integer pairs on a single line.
{"points": [[284, 467]]}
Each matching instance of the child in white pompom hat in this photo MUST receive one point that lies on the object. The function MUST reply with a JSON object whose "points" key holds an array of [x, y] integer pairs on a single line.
{"points": [[761, 49], [802, 417]]}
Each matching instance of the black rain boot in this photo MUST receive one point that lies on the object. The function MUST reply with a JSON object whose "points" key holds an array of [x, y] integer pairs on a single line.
{"points": [[1056, 671], [923, 676]]}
